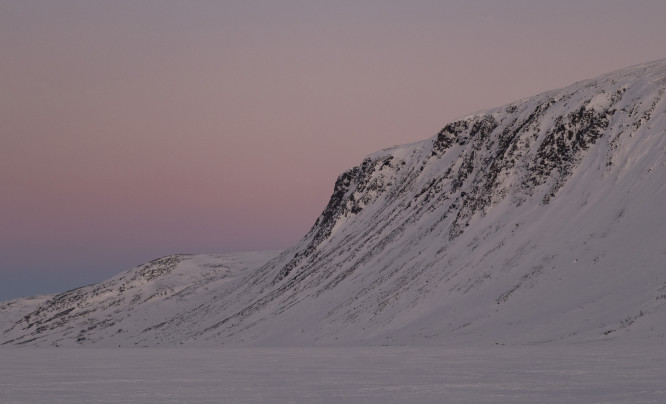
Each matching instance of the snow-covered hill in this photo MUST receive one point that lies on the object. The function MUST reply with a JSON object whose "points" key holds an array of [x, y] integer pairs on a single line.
{"points": [[539, 221], [118, 311]]}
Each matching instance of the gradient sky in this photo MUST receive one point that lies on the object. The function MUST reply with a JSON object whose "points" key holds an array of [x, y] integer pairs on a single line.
{"points": [[130, 130]]}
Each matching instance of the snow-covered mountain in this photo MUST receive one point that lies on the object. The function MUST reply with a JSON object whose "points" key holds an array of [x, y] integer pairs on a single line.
{"points": [[543, 220]]}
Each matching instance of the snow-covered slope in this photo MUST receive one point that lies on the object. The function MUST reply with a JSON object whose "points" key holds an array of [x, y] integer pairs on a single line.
{"points": [[120, 310], [538, 221]]}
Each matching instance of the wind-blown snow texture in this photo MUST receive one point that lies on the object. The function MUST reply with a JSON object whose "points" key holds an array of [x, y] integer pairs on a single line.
{"points": [[543, 220], [586, 374]]}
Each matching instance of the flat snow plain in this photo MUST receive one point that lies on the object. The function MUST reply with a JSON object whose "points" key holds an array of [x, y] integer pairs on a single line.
{"points": [[594, 373]]}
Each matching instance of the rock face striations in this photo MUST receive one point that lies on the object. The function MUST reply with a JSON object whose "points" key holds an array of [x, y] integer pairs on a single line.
{"points": [[542, 220]]}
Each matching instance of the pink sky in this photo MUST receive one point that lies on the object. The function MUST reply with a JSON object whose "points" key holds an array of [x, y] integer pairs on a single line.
{"points": [[132, 130]]}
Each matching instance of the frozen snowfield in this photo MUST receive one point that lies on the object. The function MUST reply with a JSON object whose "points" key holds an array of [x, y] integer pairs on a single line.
{"points": [[595, 373]]}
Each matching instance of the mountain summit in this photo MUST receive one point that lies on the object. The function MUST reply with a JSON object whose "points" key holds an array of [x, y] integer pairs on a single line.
{"points": [[539, 221]]}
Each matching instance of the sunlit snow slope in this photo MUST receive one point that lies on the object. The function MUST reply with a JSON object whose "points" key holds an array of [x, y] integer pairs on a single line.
{"points": [[539, 221]]}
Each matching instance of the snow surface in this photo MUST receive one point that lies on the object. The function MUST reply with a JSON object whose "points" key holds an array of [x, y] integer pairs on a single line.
{"points": [[588, 374]]}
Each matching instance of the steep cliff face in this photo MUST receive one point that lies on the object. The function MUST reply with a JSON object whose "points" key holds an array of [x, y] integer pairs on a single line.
{"points": [[542, 220], [495, 204]]}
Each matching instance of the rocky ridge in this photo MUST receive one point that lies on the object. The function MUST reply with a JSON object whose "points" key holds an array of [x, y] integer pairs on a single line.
{"points": [[538, 221]]}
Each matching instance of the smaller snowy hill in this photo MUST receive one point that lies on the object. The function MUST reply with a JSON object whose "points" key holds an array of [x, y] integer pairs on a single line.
{"points": [[117, 312]]}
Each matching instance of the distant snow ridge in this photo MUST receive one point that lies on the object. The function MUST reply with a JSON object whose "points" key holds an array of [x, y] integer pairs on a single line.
{"points": [[539, 221]]}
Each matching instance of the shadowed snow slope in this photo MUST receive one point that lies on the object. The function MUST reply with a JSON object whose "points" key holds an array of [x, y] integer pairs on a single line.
{"points": [[543, 220]]}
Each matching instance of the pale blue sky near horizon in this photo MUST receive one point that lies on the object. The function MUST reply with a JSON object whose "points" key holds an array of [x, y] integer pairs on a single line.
{"points": [[132, 130]]}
